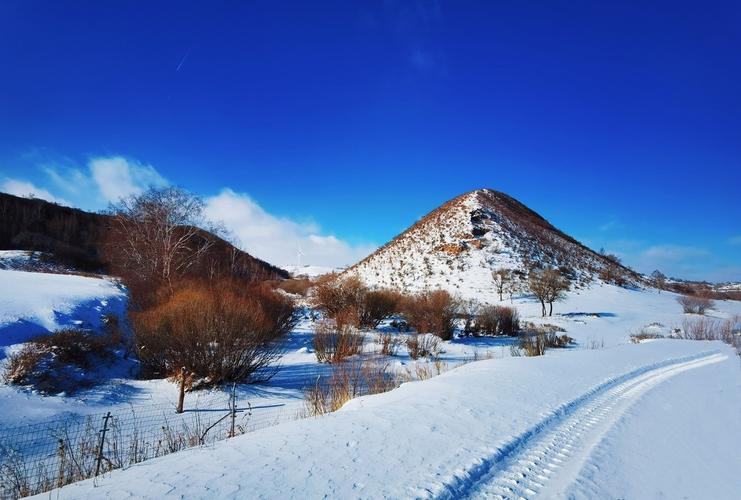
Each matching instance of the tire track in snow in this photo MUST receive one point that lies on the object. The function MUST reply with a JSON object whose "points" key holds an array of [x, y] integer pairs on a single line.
{"points": [[551, 454]]}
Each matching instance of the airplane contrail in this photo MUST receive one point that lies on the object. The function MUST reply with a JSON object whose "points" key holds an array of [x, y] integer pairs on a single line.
{"points": [[182, 61]]}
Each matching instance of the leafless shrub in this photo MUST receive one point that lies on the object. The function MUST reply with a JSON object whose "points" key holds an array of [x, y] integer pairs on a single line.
{"points": [[334, 344], [431, 312], [377, 306], [218, 334], [389, 343], [498, 320], [423, 346], [349, 301], [694, 304], [707, 329]]}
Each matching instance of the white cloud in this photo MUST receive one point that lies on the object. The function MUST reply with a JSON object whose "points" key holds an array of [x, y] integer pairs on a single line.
{"points": [[277, 239], [28, 190], [117, 177], [104, 180], [735, 240]]}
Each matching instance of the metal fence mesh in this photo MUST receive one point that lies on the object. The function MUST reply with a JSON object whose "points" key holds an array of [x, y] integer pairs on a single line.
{"points": [[38, 457]]}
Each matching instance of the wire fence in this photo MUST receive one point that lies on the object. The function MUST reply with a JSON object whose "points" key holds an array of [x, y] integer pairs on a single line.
{"points": [[38, 457]]}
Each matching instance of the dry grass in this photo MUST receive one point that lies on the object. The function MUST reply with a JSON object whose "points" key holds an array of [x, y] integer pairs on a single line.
{"points": [[644, 334], [389, 343], [334, 344], [60, 361], [423, 346], [347, 381]]}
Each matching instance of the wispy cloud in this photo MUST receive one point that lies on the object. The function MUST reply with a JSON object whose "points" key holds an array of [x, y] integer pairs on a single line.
{"points": [[277, 239], [28, 190], [103, 180], [735, 240]]}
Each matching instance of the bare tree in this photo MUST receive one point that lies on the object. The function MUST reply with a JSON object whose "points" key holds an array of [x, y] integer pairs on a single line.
{"points": [[659, 280], [548, 286], [159, 234], [502, 278]]}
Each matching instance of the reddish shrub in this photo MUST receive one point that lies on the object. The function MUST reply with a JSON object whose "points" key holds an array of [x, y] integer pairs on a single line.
{"points": [[431, 312], [498, 320], [218, 334]]}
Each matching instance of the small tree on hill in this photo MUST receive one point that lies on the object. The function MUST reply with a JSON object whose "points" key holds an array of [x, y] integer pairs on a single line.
{"points": [[502, 278], [548, 286], [659, 280], [156, 236]]}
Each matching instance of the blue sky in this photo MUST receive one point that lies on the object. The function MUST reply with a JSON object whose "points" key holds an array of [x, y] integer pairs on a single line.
{"points": [[335, 125]]}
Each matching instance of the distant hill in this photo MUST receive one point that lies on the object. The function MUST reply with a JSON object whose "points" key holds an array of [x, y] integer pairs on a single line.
{"points": [[457, 245], [75, 238]]}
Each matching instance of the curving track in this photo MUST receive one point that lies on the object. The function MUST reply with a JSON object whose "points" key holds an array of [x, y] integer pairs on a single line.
{"points": [[545, 459]]}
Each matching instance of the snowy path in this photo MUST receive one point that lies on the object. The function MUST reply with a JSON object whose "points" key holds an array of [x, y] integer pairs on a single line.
{"points": [[544, 460]]}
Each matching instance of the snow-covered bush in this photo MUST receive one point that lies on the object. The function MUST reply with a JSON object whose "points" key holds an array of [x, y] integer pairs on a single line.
{"points": [[217, 334], [61, 361]]}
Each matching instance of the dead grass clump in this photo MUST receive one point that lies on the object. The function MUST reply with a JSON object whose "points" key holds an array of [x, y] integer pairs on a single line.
{"points": [[295, 286], [498, 320], [695, 304], [217, 334], [423, 346], [389, 343], [334, 344], [644, 334], [61, 361], [431, 312], [535, 342], [347, 381]]}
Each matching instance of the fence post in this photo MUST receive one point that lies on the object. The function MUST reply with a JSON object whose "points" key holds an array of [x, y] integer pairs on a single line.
{"points": [[61, 454], [102, 442], [181, 395], [234, 410]]}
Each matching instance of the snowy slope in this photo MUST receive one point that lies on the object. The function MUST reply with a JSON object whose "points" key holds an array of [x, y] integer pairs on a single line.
{"points": [[34, 303], [456, 247], [472, 432]]}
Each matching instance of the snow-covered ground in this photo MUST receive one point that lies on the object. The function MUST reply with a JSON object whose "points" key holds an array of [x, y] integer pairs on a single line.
{"points": [[464, 433], [311, 271], [35, 303], [517, 426]]}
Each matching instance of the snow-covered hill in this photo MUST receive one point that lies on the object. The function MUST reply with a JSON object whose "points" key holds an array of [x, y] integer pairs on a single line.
{"points": [[33, 303], [456, 247]]}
